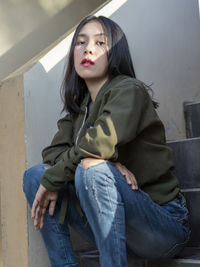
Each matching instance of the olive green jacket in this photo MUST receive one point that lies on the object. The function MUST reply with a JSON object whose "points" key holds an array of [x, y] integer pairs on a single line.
{"points": [[122, 126]]}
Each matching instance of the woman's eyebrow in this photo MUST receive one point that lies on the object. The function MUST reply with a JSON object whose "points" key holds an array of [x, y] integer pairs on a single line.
{"points": [[85, 35]]}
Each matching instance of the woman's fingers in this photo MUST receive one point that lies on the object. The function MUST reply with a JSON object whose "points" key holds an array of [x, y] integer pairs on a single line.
{"points": [[39, 217], [41, 223], [39, 198], [130, 177], [34, 207], [52, 207], [131, 180], [43, 199], [134, 184], [36, 218], [39, 206]]}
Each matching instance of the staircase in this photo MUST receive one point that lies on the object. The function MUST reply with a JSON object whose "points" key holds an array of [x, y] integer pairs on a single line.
{"points": [[187, 161]]}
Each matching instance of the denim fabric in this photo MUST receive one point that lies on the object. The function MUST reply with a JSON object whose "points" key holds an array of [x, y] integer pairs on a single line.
{"points": [[121, 220], [56, 236]]}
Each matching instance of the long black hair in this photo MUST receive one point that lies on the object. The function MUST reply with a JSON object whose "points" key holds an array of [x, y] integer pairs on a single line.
{"points": [[73, 87]]}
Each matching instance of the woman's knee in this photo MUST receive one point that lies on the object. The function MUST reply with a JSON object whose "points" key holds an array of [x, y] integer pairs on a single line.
{"points": [[83, 182], [96, 176], [31, 178], [78, 178]]}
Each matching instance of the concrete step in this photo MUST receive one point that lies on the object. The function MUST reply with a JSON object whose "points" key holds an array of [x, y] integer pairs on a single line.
{"points": [[190, 257], [192, 119], [78, 242], [193, 201], [187, 159], [187, 170]]}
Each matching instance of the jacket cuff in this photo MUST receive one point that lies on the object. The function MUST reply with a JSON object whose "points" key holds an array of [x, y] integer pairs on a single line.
{"points": [[55, 177]]}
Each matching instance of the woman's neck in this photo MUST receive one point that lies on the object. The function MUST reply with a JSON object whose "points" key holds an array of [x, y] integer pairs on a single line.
{"points": [[94, 85]]}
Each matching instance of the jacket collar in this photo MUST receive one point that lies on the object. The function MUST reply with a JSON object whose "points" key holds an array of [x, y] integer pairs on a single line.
{"points": [[87, 98]]}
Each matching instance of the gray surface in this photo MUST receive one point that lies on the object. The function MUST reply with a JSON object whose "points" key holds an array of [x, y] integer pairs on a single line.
{"points": [[192, 253], [193, 202], [174, 263], [187, 162], [92, 260], [42, 110], [89, 258], [192, 119], [79, 243], [137, 263]]}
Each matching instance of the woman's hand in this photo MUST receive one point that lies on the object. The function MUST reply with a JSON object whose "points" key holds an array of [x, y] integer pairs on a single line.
{"points": [[130, 177], [43, 199]]}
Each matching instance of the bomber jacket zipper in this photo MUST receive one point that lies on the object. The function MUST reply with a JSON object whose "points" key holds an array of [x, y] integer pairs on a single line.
{"points": [[83, 122]]}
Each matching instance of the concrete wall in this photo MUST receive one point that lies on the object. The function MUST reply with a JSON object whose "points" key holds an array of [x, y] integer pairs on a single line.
{"points": [[14, 252], [165, 45], [30, 27], [41, 113]]}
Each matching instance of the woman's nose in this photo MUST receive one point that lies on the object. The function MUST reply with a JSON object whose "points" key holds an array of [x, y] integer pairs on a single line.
{"points": [[89, 49]]}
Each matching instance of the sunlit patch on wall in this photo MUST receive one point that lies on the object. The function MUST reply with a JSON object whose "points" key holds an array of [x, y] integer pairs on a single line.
{"points": [[56, 54], [110, 8], [199, 7]]}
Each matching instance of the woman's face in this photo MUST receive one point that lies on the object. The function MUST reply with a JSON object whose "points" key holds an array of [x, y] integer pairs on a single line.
{"points": [[91, 52]]}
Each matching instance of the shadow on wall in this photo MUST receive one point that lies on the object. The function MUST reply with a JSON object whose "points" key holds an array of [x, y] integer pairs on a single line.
{"points": [[24, 18], [51, 27]]}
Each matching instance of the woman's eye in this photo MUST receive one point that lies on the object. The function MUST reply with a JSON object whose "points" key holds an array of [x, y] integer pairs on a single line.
{"points": [[100, 43], [80, 42]]}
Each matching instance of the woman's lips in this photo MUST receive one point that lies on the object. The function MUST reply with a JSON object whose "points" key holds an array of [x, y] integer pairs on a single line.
{"points": [[87, 62]]}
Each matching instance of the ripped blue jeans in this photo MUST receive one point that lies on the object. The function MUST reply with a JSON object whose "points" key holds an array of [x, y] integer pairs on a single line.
{"points": [[120, 220]]}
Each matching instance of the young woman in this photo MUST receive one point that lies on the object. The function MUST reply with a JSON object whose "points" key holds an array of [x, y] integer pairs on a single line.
{"points": [[110, 153]]}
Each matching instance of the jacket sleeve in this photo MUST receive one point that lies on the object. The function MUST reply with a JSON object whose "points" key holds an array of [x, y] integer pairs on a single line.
{"points": [[60, 143], [117, 124]]}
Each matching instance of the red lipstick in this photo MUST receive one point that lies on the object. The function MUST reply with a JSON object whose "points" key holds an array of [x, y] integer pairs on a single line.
{"points": [[87, 62]]}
